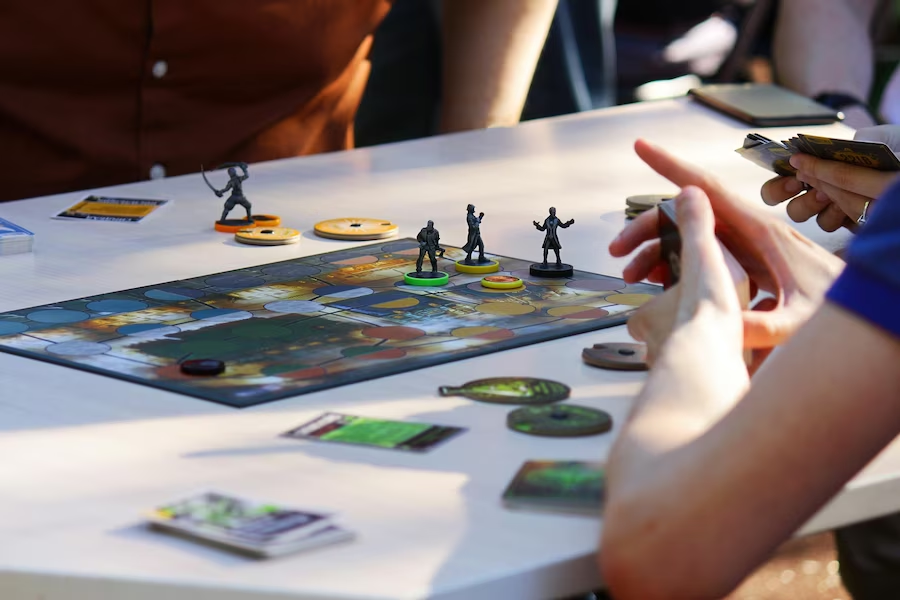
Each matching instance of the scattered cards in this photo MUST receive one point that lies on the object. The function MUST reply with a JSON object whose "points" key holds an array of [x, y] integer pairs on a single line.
{"points": [[561, 486], [775, 156], [14, 239], [363, 431], [108, 208], [261, 530]]}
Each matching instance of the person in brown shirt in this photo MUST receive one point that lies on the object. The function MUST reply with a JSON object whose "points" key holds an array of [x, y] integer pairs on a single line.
{"points": [[101, 92]]}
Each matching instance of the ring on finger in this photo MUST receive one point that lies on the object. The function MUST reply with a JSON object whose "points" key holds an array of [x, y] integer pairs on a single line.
{"points": [[862, 217]]}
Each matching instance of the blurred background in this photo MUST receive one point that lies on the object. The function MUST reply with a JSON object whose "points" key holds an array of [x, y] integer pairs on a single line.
{"points": [[598, 53]]}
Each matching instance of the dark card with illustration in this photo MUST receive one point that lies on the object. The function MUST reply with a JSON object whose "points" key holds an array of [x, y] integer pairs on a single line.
{"points": [[380, 433], [563, 486]]}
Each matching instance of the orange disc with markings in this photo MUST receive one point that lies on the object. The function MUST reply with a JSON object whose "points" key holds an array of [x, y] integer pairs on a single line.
{"points": [[233, 225], [266, 220], [501, 282]]}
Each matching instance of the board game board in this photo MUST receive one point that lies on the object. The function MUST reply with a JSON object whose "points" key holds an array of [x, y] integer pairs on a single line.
{"points": [[312, 323]]}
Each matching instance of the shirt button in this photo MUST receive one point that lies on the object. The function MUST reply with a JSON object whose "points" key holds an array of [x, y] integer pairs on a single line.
{"points": [[160, 68], [157, 171]]}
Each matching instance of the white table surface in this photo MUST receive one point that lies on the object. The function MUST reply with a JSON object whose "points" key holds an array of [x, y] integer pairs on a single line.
{"points": [[83, 456]]}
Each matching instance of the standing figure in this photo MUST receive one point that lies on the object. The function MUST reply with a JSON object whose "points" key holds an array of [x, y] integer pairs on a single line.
{"points": [[235, 184], [429, 242], [474, 239], [551, 240]]}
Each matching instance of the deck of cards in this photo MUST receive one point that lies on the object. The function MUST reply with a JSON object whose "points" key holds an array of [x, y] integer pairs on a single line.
{"points": [[261, 530], [775, 156], [14, 239]]}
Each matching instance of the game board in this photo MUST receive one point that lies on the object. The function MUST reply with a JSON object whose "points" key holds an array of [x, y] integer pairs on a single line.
{"points": [[312, 323]]}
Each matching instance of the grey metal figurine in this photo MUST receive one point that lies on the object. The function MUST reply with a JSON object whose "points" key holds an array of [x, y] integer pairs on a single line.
{"points": [[429, 243], [235, 184], [551, 239], [474, 239]]}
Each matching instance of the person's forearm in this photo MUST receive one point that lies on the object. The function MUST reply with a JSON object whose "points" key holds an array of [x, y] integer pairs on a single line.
{"points": [[824, 46], [491, 48]]}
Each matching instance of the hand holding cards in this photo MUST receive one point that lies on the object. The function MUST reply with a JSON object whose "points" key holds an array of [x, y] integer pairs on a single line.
{"points": [[774, 156]]}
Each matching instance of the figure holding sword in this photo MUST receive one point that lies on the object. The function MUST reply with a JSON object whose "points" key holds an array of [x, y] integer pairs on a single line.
{"points": [[235, 184]]}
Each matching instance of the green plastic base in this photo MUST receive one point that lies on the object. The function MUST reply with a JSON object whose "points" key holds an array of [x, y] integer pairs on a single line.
{"points": [[426, 278]]}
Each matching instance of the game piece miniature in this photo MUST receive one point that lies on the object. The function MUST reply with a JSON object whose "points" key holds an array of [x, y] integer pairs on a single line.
{"points": [[551, 242], [473, 242], [429, 243], [235, 184], [510, 390], [502, 282], [559, 420], [618, 356]]}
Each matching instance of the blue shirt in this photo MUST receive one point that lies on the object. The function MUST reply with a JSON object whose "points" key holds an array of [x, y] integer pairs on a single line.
{"points": [[870, 285]]}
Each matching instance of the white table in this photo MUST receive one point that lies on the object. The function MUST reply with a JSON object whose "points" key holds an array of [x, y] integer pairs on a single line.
{"points": [[85, 455]]}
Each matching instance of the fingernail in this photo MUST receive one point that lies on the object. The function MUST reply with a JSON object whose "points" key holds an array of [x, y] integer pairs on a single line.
{"points": [[793, 186], [795, 161]]}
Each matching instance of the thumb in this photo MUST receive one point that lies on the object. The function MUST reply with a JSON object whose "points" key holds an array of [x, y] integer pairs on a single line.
{"points": [[886, 134]]}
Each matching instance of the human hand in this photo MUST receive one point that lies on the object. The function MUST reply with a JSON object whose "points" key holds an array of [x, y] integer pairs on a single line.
{"points": [[570, 222], [536, 224], [776, 258], [708, 290], [839, 190]]}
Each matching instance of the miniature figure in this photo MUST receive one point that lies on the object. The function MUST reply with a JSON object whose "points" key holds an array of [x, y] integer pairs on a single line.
{"points": [[474, 238], [551, 242], [429, 242], [473, 242], [235, 184]]}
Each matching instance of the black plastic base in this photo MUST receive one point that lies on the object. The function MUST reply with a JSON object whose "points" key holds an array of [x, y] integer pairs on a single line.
{"points": [[551, 269]]}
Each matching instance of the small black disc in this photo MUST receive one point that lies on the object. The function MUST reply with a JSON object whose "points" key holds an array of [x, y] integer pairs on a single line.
{"points": [[203, 366]]}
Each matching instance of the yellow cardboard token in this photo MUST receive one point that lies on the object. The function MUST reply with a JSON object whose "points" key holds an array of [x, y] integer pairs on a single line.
{"points": [[267, 236], [356, 228], [501, 282]]}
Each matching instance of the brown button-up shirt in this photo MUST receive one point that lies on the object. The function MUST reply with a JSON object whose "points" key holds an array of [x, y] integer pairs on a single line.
{"points": [[99, 92]]}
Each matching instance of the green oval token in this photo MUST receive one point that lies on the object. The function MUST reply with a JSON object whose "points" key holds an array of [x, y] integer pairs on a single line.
{"points": [[510, 390]]}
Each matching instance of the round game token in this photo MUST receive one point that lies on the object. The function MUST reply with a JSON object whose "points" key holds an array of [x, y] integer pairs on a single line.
{"points": [[203, 366], [644, 202], [631, 214], [619, 356], [267, 236], [356, 228], [426, 278], [266, 220], [559, 420], [510, 390], [233, 225], [502, 282], [551, 270], [488, 266]]}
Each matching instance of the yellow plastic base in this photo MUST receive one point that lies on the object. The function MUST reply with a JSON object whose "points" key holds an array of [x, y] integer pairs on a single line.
{"points": [[488, 267]]}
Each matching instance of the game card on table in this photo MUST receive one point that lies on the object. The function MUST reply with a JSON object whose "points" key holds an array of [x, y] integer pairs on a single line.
{"points": [[380, 433]]}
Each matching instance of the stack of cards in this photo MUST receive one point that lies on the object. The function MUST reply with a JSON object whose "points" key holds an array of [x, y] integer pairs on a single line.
{"points": [[257, 529], [561, 486], [635, 205], [14, 239], [775, 156]]}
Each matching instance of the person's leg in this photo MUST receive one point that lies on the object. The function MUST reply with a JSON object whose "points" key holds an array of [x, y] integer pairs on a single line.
{"points": [[433, 260], [480, 249], [420, 260], [558, 259], [545, 257]]}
